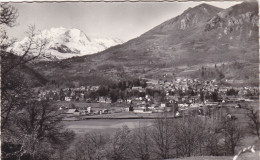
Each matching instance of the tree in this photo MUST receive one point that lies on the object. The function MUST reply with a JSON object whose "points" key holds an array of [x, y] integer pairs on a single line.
{"points": [[163, 137], [32, 49], [159, 96], [142, 143], [13, 88], [113, 95], [202, 96], [233, 135], [8, 15], [136, 82], [62, 95], [254, 121], [15, 92], [93, 95], [31, 129], [214, 96], [119, 145], [231, 92], [102, 91], [38, 130], [62, 148], [202, 71], [92, 146], [190, 135], [213, 148], [143, 83]]}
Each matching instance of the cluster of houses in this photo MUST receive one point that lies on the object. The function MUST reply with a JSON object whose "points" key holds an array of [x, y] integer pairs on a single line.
{"points": [[87, 111], [67, 94], [149, 104]]}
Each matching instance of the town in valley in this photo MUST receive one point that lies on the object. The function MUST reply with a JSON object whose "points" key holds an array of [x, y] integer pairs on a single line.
{"points": [[169, 80], [146, 98]]}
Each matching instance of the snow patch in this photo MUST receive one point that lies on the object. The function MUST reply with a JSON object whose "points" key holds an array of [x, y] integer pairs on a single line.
{"points": [[65, 43]]}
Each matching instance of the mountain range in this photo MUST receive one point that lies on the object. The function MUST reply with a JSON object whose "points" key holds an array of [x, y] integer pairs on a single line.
{"points": [[66, 43], [203, 42]]}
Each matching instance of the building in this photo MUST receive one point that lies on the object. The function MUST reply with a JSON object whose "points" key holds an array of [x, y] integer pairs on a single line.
{"points": [[104, 100], [73, 111], [68, 99]]}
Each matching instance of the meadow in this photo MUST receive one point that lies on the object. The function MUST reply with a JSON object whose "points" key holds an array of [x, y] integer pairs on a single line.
{"points": [[106, 126]]}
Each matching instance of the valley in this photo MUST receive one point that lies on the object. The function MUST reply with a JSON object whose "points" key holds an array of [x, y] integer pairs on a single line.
{"points": [[187, 88], [231, 41]]}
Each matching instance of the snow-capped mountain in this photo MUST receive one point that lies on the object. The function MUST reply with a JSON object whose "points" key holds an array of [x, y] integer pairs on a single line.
{"points": [[65, 43], [225, 39]]}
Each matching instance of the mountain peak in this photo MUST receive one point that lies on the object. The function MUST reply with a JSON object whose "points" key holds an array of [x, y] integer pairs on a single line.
{"points": [[240, 9], [189, 18], [238, 19], [66, 43], [180, 46], [205, 5], [203, 8]]}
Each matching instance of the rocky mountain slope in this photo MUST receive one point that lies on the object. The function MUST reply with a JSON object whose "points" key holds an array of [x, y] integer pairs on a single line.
{"points": [[224, 41], [67, 43]]}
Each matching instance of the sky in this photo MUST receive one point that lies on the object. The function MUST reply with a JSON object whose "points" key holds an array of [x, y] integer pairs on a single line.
{"points": [[123, 20]]}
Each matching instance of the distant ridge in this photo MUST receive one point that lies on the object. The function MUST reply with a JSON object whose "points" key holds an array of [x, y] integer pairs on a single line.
{"points": [[201, 36]]}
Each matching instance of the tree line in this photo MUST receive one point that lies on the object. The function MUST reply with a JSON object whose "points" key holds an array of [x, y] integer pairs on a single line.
{"points": [[165, 138]]}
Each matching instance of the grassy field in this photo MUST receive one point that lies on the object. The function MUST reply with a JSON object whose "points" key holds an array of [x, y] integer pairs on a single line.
{"points": [[109, 126], [106, 126], [240, 113], [107, 123]]}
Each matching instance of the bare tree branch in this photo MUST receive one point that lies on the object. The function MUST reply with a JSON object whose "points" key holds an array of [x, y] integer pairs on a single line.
{"points": [[8, 14]]}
